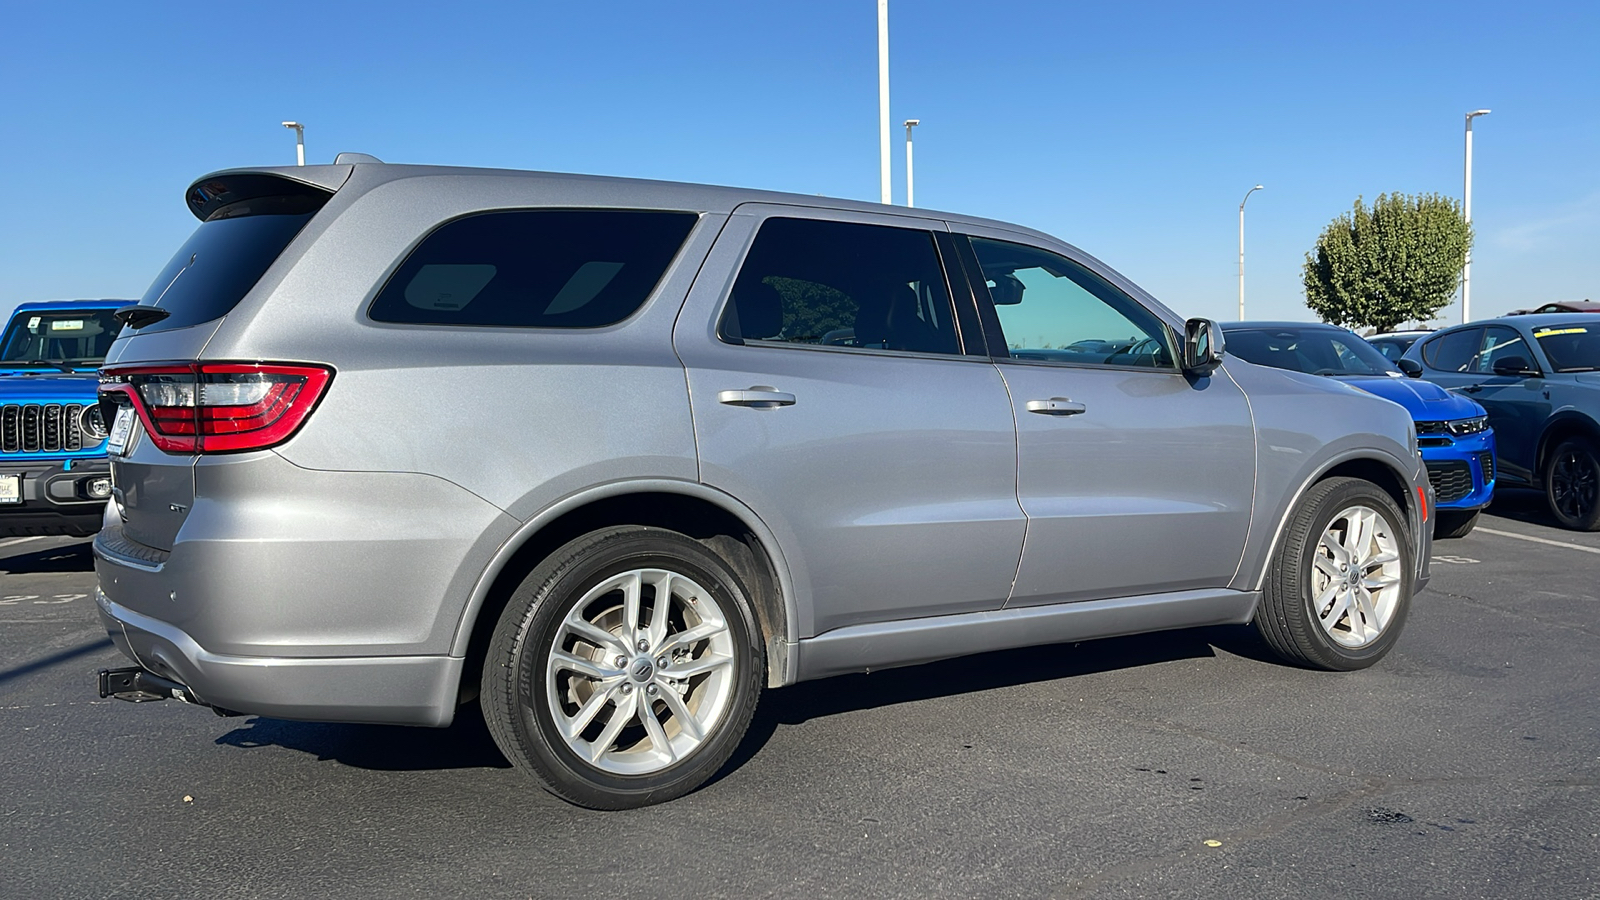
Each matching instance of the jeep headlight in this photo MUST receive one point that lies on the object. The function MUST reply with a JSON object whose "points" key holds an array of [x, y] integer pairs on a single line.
{"points": [[1473, 425], [93, 423]]}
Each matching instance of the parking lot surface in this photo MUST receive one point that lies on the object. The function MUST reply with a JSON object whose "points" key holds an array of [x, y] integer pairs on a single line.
{"points": [[1185, 764]]}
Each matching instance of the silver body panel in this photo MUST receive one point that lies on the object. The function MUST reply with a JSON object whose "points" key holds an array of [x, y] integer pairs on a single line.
{"points": [[909, 506]]}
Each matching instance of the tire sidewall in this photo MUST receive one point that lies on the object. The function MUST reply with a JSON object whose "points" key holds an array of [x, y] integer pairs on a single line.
{"points": [[1326, 651], [554, 761]]}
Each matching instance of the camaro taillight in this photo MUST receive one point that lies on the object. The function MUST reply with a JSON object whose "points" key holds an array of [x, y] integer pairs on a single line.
{"points": [[218, 407]]}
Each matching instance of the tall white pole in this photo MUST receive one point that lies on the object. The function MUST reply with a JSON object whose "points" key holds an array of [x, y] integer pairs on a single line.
{"points": [[1466, 212], [910, 190], [299, 142], [1241, 247], [883, 100]]}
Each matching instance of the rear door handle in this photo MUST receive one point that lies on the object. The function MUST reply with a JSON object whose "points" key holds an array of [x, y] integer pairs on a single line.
{"points": [[757, 397], [1056, 406]]}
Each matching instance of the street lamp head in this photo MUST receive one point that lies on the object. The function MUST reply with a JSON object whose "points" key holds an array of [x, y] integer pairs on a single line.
{"points": [[292, 125], [911, 122], [1259, 187], [1477, 112]]}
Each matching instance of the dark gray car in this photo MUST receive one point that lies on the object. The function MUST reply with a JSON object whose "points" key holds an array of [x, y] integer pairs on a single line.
{"points": [[1538, 376], [610, 457]]}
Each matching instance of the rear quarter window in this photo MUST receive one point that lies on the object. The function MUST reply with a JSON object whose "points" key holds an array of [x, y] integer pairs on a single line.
{"points": [[535, 268]]}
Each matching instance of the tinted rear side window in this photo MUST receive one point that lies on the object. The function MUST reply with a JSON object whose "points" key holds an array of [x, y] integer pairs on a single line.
{"points": [[1452, 352], [539, 268]]}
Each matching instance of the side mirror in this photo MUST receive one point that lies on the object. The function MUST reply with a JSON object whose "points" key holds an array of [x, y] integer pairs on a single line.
{"points": [[1202, 346], [1515, 366], [1411, 367]]}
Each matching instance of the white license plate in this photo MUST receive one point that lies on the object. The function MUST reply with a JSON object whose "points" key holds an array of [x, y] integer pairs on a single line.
{"points": [[10, 488], [121, 429]]}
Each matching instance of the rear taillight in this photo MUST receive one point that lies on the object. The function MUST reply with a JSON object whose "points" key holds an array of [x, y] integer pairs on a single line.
{"points": [[218, 407]]}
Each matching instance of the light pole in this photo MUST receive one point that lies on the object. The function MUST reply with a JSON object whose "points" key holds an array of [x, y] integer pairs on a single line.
{"points": [[883, 100], [299, 142], [1241, 247], [910, 197], [1466, 211]]}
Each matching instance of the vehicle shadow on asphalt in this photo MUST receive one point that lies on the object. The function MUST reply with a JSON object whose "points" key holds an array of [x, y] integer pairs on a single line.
{"points": [[1521, 505], [68, 558], [1006, 668], [467, 744]]}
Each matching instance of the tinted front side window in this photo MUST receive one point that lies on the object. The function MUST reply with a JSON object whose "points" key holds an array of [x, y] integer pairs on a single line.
{"points": [[1452, 352], [75, 337], [1053, 309], [1499, 342], [540, 268], [843, 284]]}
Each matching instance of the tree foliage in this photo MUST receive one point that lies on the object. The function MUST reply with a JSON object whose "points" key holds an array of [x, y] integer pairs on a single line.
{"points": [[1395, 262]]}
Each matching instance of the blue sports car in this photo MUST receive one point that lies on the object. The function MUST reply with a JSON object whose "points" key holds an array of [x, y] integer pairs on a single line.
{"points": [[1453, 432]]}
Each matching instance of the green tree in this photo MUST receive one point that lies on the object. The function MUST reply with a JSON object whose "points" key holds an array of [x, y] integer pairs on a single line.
{"points": [[1395, 262]]}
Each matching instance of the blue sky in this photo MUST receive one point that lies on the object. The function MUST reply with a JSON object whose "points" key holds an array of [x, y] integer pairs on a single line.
{"points": [[1129, 129]]}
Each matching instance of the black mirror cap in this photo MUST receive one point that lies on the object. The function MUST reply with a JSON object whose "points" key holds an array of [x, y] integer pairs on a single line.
{"points": [[1411, 367], [1202, 347], [1515, 366]]}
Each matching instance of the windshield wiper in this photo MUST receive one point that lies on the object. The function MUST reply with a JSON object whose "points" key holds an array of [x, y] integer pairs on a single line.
{"points": [[59, 364], [1580, 369]]}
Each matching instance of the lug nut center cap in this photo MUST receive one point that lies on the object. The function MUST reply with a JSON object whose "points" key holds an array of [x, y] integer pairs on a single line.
{"points": [[642, 670]]}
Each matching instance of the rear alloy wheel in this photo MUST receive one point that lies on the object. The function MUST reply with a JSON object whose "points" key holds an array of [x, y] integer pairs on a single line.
{"points": [[1339, 587], [1572, 484], [1455, 523], [624, 671]]}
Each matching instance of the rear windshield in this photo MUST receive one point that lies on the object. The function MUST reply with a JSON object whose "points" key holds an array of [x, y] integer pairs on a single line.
{"points": [[74, 337], [535, 268], [218, 265]]}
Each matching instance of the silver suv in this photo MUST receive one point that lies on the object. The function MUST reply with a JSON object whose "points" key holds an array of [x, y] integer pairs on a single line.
{"points": [[610, 457]]}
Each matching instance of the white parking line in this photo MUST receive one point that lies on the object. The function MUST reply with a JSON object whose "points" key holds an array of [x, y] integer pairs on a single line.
{"points": [[21, 540], [1539, 540]]}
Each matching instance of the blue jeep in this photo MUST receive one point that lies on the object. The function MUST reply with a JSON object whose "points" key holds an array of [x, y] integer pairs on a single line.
{"points": [[54, 478]]}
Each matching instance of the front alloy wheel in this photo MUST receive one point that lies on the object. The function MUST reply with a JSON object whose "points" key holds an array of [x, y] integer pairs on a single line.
{"points": [[1339, 586]]}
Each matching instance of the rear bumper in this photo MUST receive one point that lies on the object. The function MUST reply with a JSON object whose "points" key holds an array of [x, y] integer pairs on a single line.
{"points": [[398, 690], [55, 498]]}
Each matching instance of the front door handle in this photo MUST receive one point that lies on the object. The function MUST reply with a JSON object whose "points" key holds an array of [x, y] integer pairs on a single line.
{"points": [[1056, 406], [1472, 389], [757, 397]]}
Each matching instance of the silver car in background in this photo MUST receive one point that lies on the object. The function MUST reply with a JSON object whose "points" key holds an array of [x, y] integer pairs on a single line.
{"points": [[610, 457]]}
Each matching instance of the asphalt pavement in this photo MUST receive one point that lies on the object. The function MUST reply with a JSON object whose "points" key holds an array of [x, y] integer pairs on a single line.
{"points": [[1186, 764]]}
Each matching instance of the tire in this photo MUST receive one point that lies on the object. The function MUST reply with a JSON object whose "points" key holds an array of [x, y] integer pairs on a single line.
{"points": [[577, 652], [1313, 613], [1572, 484], [1455, 523]]}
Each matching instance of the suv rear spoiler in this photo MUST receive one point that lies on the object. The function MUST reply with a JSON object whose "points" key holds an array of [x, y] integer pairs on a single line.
{"points": [[309, 185]]}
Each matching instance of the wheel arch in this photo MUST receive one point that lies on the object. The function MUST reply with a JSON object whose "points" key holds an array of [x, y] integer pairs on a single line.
{"points": [[1565, 424], [1379, 470], [704, 513]]}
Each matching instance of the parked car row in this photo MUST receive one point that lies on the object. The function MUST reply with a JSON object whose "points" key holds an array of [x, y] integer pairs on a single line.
{"points": [[1453, 433]]}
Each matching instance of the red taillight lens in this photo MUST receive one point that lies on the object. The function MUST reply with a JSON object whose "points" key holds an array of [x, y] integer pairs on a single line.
{"points": [[219, 407]]}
